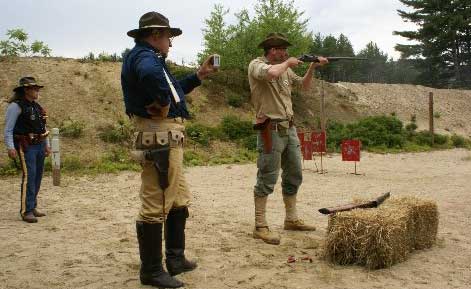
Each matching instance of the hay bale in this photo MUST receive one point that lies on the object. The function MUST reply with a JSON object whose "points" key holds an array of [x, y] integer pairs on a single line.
{"points": [[381, 237], [425, 220]]}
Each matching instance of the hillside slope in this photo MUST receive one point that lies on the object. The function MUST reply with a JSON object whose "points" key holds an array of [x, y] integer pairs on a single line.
{"points": [[91, 93]]}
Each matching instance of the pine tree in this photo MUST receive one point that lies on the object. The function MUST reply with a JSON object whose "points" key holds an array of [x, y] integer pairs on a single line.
{"points": [[443, 49]]}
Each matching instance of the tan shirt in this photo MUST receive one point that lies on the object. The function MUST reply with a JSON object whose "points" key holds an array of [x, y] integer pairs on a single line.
{"points": [[271, 98]]}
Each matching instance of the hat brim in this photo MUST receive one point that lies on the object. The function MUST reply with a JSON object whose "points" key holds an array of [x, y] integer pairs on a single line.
{"points": [[274, 42], [174, 32], [27, 85]]}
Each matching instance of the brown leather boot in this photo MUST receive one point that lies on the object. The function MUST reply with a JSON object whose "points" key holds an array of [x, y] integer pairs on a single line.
{"points": [[298, 225], [37, 213], [29, 218], [292, 221], [266, 236], [261, 230]]}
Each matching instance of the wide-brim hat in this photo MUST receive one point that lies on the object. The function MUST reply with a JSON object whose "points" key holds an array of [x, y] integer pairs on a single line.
{"points": [[27, 81], [152, 20], [275, 39]]}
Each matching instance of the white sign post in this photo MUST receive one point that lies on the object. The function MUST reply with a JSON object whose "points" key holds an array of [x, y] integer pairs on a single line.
{"points": [[56, 158]]}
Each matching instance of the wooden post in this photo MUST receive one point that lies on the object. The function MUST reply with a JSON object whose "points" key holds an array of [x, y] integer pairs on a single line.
{"points": [[322, 107], [56, 158], [430, 105]]}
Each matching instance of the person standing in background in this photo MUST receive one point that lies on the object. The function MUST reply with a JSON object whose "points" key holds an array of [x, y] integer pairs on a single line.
{"points": [[26, 138]]}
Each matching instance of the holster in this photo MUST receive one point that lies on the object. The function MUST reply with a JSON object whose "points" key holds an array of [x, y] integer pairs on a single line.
{"points": [[265, 132], [160, 157], [29, 139]]}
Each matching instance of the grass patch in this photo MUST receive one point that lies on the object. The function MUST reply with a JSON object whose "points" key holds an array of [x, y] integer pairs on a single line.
{"points": [[114, 160], [234, 99], [9, 169], [119, 133], [227, 153], [235, 128], [72, 128]]}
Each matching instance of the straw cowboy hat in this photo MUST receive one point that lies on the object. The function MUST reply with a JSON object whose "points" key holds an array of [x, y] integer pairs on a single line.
{"points": [[274, 39], [154, 20], [27, 81]]}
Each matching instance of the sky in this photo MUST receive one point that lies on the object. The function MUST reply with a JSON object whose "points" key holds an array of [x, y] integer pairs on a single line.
{"points": [[73, 28]]}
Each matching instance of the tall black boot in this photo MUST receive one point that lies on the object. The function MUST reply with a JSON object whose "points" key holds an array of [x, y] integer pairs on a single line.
{"points": [[175, 242], [150, 251]]}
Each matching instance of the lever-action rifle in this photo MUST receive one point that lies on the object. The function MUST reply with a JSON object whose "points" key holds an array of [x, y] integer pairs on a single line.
{"points": [[314, 58], [370, 204]]}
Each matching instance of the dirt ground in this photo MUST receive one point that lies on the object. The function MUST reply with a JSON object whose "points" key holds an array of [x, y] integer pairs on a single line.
{"points": [[88, 238]]}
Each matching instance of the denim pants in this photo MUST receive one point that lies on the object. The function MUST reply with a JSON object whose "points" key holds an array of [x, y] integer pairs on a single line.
{"points": [[286, 154], [32, 165]]}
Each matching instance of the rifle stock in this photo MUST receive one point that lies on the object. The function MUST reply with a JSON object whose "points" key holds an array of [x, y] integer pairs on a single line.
{"points": [[369, 204]]}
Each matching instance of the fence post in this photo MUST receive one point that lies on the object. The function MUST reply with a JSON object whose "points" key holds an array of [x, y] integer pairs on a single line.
{"points": [[56, 158], [431, 128], [323, 120]]}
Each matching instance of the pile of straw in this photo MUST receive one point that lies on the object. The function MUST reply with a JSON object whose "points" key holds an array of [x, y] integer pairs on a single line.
{"points": [[380, 237]]}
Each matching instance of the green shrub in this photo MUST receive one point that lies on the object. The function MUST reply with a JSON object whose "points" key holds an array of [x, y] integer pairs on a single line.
{"points": [[122, 132], [198, 133], [378, 130], [235, 128], [336, 132], [458, 141], [425, 138], [178, 71], [72, 128], [250, 142], [411, 127], [235, 100]]}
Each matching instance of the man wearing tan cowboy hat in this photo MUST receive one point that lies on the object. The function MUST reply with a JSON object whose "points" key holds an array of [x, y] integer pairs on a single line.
{"points": [[155, 101], [271, 80], [26, 137]]}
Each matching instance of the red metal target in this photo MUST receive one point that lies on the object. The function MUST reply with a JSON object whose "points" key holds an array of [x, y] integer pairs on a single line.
{"points": [[351, 150], [318, 142], [306, 145]]}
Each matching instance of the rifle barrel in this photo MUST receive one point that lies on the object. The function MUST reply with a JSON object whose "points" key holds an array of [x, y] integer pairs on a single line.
{"points": [[314, 58], [336, 58]]}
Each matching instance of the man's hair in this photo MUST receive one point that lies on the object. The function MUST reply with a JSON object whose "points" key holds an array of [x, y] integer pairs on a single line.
{"points": [[266, 50], [19, 93]]}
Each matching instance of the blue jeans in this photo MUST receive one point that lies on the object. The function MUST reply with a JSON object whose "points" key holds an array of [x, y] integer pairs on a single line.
{"points": [[285, 155], [32, 165]]}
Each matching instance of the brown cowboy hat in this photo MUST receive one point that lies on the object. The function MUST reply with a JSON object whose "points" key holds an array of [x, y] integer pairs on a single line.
{"points": [[154, 20], [274, 39], [27, 81]]}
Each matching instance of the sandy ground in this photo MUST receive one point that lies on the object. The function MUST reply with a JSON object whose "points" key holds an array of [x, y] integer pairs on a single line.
{"points": [[88, 238]]}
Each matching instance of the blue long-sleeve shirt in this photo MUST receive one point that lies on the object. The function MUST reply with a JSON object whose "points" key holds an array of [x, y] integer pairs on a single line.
{"points": [[143, 82], [11, 115]]}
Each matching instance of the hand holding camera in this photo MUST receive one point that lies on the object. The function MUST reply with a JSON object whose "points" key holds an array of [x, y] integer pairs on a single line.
{"points": [[210, 65]]}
